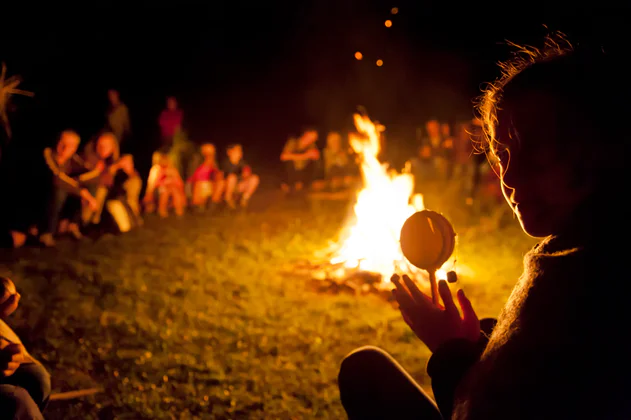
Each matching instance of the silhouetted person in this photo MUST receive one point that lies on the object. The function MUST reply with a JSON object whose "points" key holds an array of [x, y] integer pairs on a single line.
{"points": [[560, 348]]}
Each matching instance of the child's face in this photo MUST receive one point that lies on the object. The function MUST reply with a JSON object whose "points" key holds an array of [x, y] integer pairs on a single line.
{"points": [[538, 176], [208, 151], [433, 128], [105, 146], [235, 154], [10, 300], [67, 146], [113, 96]]}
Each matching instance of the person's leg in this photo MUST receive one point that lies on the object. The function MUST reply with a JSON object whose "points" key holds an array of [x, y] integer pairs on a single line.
{"points": [[200, 193], [374, 386], [100, 197], [231, 185], [55, 206], [163, 201], [35, 379], [218, 189], [132, 187], [17, 404], [179, 201], [248, 186], [289, 181]]}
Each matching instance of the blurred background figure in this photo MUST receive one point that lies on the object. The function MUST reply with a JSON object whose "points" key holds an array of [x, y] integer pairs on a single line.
{"points": [[338, 164], [207, 180], [170, 122], [118, 119], [164, 183], [300, 156], [240, 180]]}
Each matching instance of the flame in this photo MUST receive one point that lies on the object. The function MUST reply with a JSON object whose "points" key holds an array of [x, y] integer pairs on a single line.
{"points": [[385, 202]]}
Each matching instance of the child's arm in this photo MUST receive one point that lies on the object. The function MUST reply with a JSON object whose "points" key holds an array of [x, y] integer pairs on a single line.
{"points": [[69, 183], [154, 173]]}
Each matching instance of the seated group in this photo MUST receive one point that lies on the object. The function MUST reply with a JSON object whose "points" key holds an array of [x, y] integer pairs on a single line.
{"points": [[82, 186]]}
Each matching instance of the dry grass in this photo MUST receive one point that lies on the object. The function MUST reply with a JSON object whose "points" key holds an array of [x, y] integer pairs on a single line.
{"points": [[197, 318]]}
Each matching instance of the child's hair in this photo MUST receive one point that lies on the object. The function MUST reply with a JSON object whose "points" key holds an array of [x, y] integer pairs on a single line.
{"points": [[233, 146], [68, 133], [5, 282], [592, 99], [159, 158]]}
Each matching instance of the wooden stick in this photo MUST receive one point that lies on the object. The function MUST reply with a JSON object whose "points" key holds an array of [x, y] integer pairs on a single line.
{"points": [[434, 286], [74, 394]]}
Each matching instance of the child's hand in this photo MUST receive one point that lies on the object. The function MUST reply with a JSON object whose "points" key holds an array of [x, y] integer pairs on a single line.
{"points": [[435, 324], [10, 359], [91, 201]]}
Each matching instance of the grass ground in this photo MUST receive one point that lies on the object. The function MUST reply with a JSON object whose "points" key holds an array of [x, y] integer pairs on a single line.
{"points": [[199, 317]]}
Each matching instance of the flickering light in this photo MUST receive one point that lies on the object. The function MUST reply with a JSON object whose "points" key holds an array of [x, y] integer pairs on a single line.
{"points": [[359, 55], [379, 63], [388, 23], [394, 10]]}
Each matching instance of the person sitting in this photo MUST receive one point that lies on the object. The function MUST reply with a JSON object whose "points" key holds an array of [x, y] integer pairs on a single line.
{"points": [[165, 182], [239, 177], [300, 156], [24, 383], [117, 177], [207, 180], [338, 166], [558, 349], [64, 166]]}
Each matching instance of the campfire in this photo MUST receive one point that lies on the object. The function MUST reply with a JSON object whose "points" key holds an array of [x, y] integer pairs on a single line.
{"points": [[370, 252]]}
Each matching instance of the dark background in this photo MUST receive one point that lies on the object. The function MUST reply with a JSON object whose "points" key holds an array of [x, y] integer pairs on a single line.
{"points": [[255, 72]]}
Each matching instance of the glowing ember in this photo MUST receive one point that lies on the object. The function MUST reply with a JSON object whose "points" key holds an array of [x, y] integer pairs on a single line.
{"points": [[383, 205]]}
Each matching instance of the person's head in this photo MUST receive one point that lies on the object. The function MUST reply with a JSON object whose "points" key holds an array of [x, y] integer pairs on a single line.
{"points": [[309, 136], [160, 159], [432, 126], [114, 97], [551, 120], [235, 153], [445, 129], [208, 151], [9, 297], [107, 146], [171, 103], [334, 141], [67, 145]]}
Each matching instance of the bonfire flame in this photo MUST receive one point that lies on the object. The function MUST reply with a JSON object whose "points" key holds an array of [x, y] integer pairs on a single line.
{"points": [[385, 202]]}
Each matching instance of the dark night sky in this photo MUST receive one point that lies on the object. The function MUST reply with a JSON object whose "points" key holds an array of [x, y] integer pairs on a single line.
{"points": [[256, 72]]}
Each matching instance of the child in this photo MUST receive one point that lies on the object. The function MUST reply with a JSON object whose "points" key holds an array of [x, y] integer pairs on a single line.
{"points": [[207, 180], [117, 177], [300, 157], [24, 382], [239, 177], [559, 349], [167, 182], [63, 164]]}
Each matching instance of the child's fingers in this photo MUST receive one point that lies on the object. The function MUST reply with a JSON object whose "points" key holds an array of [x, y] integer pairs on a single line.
{"points": [[448, 300], [468, 314], [419, 297]]}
